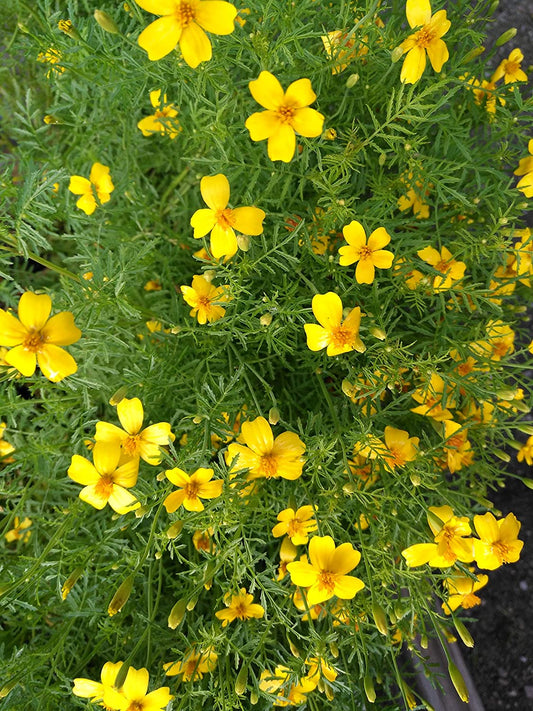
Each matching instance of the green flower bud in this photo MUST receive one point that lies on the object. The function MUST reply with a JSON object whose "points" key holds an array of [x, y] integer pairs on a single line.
{"points": [[106, 22], [506, 36]]}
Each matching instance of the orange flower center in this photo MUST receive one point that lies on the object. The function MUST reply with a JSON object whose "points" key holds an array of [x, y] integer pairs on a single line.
{"points": [[184, 14], [511, 67], [469, 601], [191, 490], [34, 342], [326, 580], [365, 253], [203, 543], [136, 706], [104, 486], [501, 551], [500, 348], [443, 266], [269, 466], [225, 218], [455, 442], [285, 114], [241, 610], [341, 337], [424, 37], [397, 457], [131, 444], [465, 368], [191, 668], [295, 526]]}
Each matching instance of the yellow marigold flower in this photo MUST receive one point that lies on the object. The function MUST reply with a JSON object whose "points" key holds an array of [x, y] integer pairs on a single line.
{"points": [[99, 184], [498, 540], [319, 670], [287, 554], [510, 68], [133, 696], [153, 285], [400, 448], [297, 525], [525, 168], [414, 198], [203, 540], [450, 543], [443, 261], [484, 91], [194, 665], [222, 221], [341, 50], [526, 452], [51, 56], [191, 489], [205, 298], [432, 397], [34, 338], [134, 441], [499, 343], [457, 447], [367, 253], [333, 333], [426, 39], [461, 589], [239, 607], [264, 456], [106, 480], [326, 573], [184, 22], [19, 531], [280, 682], [6, 448], [95, 690], [287, 113], [164, 119]]}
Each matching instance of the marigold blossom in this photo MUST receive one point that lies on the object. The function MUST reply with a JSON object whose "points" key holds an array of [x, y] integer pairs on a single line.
{"points": [[461, 589], [264, 456], [6, 448], [240, 607], [297, 525], [451, 269], [133, 696], [450, 543], [498, 540], [510, 69], [400, 448], [222, 221], [98, 186], [184, 23], [526, 452], [434, 398], [51, 56], [331, 332], [35, 338], [325, 575], [457, 446], [191, 489], [368, 253], [19, 532], [105, 480], [341, 49], [164, 119], [413, 198], [288, 689], [135, 442], [95, 690], [205, 299], [194, 665], [287, 113], [426, 39]]}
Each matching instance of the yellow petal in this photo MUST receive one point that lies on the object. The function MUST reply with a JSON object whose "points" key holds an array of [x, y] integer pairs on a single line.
{"points": [[61, 330], [34, 310], [178, 477], [438, 54], [257, 435], [82, 471], [195, 45], [487, 527], [216, 16], [12, 332], [87, 203], [158, 434], [174, 500], [282, 144], [302, 574], [344, 559], [327, 309], [439, 24], [130, 413], [136, 683], [155, 96], [203, 222], [223, 242], [126, 475], [413, 65], [321, 550], [157, 7], [109, 672], [317, 337], [378, 239], [249, 220], [150, 453], [55, 363], [262, 124], [429, 255], [365, 272], [79, 185], [419, 554], [347, 587], [87, 689], [160, 38], [418, 12], [106, 456], [23, 360], [267, 91], [308, 122], [509, 528], [215, 191], [150, 125], [383, 259], [101, 178], [300, 94], [122, 501], [106, 432], [91, 496], [354, 234]]}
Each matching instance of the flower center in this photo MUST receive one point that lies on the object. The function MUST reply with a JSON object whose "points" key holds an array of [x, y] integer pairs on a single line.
{"points": [[204, 302], [191, 667], [365, 253], [442, 266], [501, 551], [131, 445], [136, 706], [500, 348], [511, 67], [465, 368], [225, 218], [184, 14], [203, 543], [241, 610], [295, 527], [285, 114], [424, 37], [33, 342], [104, 486], [191, 490], [341, 337], [470, 600], [455, 442], [269, 466], [327, 580], [398, 457]]}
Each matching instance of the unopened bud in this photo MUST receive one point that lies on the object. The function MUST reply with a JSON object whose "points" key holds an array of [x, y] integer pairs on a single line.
{"points": [[464, 634], [70, 582], [192, 604], [294, 649], [175, 529], [382, 159], [241, 680], [273, 415], [415, 479], [120, 598], [4, 691], [243, 242], [458, 682], [141, 511], [378, 613], [265, 320], [396, 54], [330, 134], [352, 80], [506, 36], [424, 641], [473, 54], [334, 649], [197, 419], [369, 688], [254, 697], [209, 275], [51, 120], [492, 9], [177, 614], [68, 28], [118, 396], [378, 333], [527, 482], [526, 429], [106, 22], [501, 455]]}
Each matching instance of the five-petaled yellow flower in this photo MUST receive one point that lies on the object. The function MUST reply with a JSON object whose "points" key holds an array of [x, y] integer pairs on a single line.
{"points": [[450, 268], [191, 489], [34, 338], [498, 540], [287, 113], [510, 68], [368, 254], [337, 335], [264, 456], [240, 607], [106, 480], [205, 299], [221, 220], [325, 575], [194, 665], [297, 525], [449, 544], [426, 39], [185, 22], [133, 697], [164, 119], [19, 532], [461, 589], [135, 442], [99, 184]]}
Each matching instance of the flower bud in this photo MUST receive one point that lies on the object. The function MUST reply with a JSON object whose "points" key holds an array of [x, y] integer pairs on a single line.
{"points": [[192, 604], [241, 680], [526, 429], [334, 649], [4, 691], [254, 697], [120, 598], [352, 80], [68, 28], [396, 54], [273, 415], [106, 22], [118, 396], [501, 455], [378, 333], [378, 613], [473, 54], [70, 582], [330, 134], [294, 649], [243, 242], [175, 529], [51, 120], [506, 36], [369, 688], [464, 634], [458, 682], [265, 320], [382, 159], [177, 614], [493, 7]]}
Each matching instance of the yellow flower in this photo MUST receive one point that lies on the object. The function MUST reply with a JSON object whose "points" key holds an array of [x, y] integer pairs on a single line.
{"points": [[133, 441], [6, 448], [107, 480], [133, 696], [280, 683], [95, 690], [184, 22], [35, 338], [457, 447], [264, 456], [461, 589], [443, 262], [68, 28], [191, 489], [51, 56], [414, 198], [341, 49], [287, 113], [526, 452], [498, 542], [499, 343], [220, 220], [432, 397], [239, 607], [450, 543], [194, 665], [525, 168], [19, 531], [297, 525], [337, 335], [326, 573], [164, 119], [426, 39], [205, 299], [153, 285], [203, 540], [287, 553], [367, 253], [319, 670], [510, 69], [99, 183], [400, 448]]}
